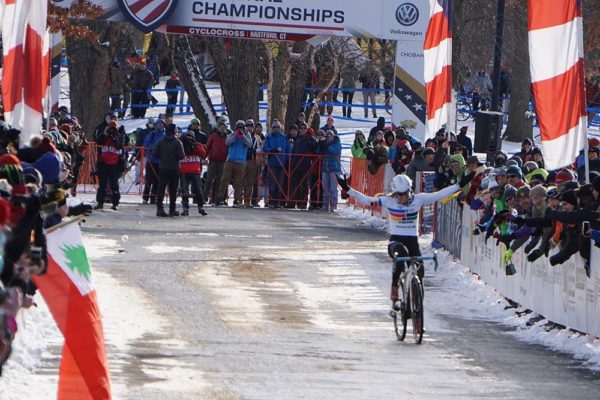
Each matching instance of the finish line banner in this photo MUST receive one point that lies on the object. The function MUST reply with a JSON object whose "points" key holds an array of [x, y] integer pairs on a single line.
{"points": [[272, 20]]}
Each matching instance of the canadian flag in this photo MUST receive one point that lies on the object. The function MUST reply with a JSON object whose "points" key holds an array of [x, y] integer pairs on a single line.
{"points": [[68, 290], [25, 70]]}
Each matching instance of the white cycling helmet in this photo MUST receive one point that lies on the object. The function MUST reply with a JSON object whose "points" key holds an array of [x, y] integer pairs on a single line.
{"points": [[401, 184]]}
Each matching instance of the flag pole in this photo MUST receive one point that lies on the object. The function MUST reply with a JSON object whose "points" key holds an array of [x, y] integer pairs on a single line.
{"points": [[586, 152]]}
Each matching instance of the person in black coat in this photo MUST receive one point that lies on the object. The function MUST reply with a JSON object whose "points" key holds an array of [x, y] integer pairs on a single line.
{"points": [[169, 151], [141, 82], [172, 85], [465, 142]]}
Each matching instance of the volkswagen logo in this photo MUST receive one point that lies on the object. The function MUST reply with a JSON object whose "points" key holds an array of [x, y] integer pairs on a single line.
{"points": [[407, 14]]}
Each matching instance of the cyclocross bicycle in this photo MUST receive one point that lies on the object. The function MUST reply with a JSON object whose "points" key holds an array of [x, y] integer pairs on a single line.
{"points": [[411, 303]]}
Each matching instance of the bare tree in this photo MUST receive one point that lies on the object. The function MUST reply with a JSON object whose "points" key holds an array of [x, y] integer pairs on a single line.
{"points": [[279, 64], [238, 66], [519, 127], [191, 78], [88, 72]]}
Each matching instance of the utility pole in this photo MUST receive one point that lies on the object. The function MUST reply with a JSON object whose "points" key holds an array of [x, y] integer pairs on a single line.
{"points": [[498, 57]]}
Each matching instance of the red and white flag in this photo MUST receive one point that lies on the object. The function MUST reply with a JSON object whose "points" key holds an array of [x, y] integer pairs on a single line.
{"points": [[558, 80], [71, 298], [24, 76], [438, 64]]}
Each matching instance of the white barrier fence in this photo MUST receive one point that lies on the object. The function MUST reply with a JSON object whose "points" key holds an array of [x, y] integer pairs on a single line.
{"points": [[563, 293]]}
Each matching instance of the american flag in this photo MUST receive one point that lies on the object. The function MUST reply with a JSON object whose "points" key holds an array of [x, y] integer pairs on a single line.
{"points": [[25, 72], [557, 76], [438, 64]]}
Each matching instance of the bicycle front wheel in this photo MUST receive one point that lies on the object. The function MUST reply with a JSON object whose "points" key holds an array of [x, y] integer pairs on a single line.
{"points": [[400, 325], [463, 112], [416, 306]]}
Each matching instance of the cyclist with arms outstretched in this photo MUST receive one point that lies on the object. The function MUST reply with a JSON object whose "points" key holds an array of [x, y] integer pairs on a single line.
{"points": [[403, 207]]}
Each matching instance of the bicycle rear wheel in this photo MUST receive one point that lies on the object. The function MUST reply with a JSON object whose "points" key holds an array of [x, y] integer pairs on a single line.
{"points": [[416, 305], [400, 326]]}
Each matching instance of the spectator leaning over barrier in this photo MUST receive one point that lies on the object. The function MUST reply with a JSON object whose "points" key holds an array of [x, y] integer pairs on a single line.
{"points": [[477, 167], [331, 149], [465, 142], [359, 143], [169, 151], [151, 178], [278, 148], [403, 156], [172, 86], [304, 147], [238, 143], [190, 169], [422, 161], [457, 169], [216, 152], [111, 142], [251, 168], [377, 153]]}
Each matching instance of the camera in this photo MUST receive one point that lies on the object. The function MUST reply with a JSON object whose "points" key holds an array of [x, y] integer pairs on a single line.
{"points": [[585, 228], [36, 253]]}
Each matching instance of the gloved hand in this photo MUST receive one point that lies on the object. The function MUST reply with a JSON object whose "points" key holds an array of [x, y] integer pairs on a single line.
{"points": [[466, 179], [500, 217], [343, 182], [532, 243], [507, 256], [506, 239], [80, 209], [534, 255], [518, 220], [476, 231]]}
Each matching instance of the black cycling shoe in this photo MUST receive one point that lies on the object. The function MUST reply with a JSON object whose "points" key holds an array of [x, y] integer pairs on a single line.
{"points": [[161, 213]]}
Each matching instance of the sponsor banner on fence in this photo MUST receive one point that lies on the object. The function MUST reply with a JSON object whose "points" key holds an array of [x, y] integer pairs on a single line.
{"points": [[563, 293], [384, 19]]}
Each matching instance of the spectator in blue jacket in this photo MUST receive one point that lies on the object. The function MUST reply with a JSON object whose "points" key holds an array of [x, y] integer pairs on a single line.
{"points": [[331, 149], [237, 143], [151, 177], [277, 146]]}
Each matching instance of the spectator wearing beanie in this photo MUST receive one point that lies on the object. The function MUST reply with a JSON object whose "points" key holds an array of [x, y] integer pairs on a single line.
{"points": [[111, 143], [194, 127], [329, 126], [237, 143], [251, 168], [594, 163], [216, 153], [151, 167], [278, 148], [304, 146], [525, 153], [169, 151], [515, 177]]}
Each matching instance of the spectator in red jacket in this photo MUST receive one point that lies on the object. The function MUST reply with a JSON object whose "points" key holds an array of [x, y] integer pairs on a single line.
{"points": [[190, 169], [216, 152]]}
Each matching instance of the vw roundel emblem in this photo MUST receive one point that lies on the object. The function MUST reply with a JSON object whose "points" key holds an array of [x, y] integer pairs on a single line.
{"points": [[407, 14], [147, 15]]}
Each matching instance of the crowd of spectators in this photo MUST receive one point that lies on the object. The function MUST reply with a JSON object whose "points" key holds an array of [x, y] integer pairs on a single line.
{"points": [[35, 181], [519, 202], [293, 169]]}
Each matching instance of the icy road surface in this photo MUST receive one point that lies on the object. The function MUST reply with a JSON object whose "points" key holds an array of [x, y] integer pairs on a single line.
{"points": [[274, 304]]}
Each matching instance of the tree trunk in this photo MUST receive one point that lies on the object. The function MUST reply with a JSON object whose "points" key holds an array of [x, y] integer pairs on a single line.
{"points": [[238, 66], [519, 127], [313, 114], [88, 74], [192, 81], [280, 69], [299, 74]]}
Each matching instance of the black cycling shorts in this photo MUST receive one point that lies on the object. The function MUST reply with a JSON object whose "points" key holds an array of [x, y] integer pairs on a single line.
{"points": [[410, 243]]}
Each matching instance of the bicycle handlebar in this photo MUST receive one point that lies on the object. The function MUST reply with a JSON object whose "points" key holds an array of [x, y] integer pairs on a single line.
{"points": [[421, 258]]}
